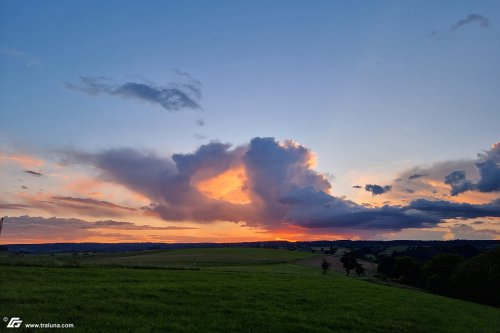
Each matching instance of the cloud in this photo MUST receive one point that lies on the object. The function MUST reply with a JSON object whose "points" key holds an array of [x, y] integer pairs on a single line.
{"points": [[20, 56], [464, 231], [417, 175], [357, 186], [469, 19], [33, 173], [36, 229], [172, 97], [65, 205], [458, 182], [264, 183], [200, 122], [25, 161], [443, 209], [200, 136], [87, 203], [460, 24], [377, 189], [488, 165], [110, 224], [13, 206]]}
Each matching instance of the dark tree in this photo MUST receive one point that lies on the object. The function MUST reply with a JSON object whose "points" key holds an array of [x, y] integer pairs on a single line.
{"points": [[349, 262], [478, 279], [387, 266], [437, 271], [325, 265], [408, 270], [360, 270]]}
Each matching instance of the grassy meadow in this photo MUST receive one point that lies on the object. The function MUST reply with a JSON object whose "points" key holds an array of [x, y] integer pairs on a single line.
{"points": [[234, 290]]}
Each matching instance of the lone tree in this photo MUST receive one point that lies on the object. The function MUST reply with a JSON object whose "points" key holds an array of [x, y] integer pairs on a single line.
{"points": [[349, 262], [325, 265]]}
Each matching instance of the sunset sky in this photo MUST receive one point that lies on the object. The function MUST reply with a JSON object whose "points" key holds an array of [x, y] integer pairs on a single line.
{"points": [[224, 121]]}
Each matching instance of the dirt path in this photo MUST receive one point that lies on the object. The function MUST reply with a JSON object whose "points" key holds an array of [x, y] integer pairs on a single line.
{"points": [[336, 265]]}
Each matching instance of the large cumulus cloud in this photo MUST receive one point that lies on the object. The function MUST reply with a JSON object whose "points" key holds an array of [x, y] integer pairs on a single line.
{"points": [[279, 180]]}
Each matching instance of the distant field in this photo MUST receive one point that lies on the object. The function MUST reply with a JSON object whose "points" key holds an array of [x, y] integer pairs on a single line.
{"points": [[187, 258], [254, 296]]}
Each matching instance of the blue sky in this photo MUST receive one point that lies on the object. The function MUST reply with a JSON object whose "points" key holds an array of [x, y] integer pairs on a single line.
{"points": [[372, 88]]}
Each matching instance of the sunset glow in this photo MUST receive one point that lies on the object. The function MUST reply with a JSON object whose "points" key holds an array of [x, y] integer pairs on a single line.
{"points": [[228, 186], [235, 122]]}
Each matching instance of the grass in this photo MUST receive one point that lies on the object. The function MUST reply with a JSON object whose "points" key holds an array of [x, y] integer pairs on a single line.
{"points": [[208, 257], [256, 296]]}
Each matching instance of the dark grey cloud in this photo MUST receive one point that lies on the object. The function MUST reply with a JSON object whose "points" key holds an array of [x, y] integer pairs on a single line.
{"points": [[34, 173], [357, 186], [488, 166], [447, 210], [377, 189], [420, 213], [200, 122], [409, 190], [458, 182], [417, 175], [172, 97], [469, 19]]}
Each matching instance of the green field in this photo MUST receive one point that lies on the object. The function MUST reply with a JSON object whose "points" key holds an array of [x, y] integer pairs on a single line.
{"points": [[235, 290]]}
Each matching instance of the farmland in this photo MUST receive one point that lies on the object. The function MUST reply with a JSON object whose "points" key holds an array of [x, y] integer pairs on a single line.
{"points": [[234, 290]]}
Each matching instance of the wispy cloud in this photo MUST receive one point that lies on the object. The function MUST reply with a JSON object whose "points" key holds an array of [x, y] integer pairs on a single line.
{"points": [[14, 206], [36, 229], [20, 56], [417, 175], [34, 173], [88, 203], [470, 19], [173, 97]]}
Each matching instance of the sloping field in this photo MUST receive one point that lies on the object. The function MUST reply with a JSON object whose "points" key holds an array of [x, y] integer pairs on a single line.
{"points": [[229, 298], [201, 257], [187, 258]]}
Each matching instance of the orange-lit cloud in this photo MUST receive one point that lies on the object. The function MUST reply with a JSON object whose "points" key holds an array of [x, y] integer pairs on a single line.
{"points": [[25, 161], [229, 186]]}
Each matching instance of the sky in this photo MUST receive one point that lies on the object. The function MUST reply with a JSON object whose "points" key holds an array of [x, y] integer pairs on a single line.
{"points": [[228, 121]]}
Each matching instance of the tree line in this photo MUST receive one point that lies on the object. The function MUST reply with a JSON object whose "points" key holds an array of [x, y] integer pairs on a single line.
{"points": [[476, 279]]}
